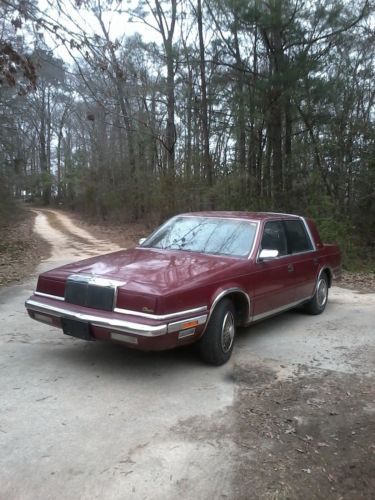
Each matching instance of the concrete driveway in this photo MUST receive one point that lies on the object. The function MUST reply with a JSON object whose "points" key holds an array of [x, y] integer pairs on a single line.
{"points": [[96, 420]]}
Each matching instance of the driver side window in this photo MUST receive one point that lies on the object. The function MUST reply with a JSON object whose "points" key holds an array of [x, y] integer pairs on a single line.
{"points": [[274, 237]]}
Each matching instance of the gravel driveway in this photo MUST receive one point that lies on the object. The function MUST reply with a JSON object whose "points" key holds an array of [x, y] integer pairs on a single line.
{"points": [[291, 416]]}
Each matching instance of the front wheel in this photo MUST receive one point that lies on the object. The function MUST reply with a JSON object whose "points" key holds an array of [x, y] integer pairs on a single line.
{"points": [[216, 345], [318, 303]]}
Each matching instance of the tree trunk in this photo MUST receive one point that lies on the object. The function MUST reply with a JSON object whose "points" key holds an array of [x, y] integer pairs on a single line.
{"points": [[288, 177], [43, 160], [207, 162], [241, 132], [273, 42]]}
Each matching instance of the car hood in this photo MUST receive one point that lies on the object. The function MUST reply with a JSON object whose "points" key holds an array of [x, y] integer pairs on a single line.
{"points": [[153, 271]]}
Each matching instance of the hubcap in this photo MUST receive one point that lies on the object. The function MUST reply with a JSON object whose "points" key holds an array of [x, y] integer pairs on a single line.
{"points": [[322, 292], [227, 332]]}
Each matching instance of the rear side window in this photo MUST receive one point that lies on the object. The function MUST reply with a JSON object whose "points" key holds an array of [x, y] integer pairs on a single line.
{"points": [[274, 237], [298, 240]]}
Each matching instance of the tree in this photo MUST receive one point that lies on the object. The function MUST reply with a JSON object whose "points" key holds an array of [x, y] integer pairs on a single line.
{"points": [[233, 105]]}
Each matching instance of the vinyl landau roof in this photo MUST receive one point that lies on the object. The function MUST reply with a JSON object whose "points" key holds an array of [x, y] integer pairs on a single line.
{"points": [[241, 215]]}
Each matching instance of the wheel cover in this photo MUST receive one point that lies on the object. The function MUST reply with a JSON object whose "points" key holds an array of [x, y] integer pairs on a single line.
{"points": [[227, 332], [322, 293]]}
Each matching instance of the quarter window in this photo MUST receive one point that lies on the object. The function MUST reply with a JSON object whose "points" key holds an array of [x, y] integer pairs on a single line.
{"points": [[298, 240]]}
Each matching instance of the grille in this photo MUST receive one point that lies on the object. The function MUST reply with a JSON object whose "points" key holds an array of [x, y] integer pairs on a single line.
{"points": [[84, 291]]}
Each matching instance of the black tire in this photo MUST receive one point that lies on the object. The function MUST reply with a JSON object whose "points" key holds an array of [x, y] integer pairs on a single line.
{"points": [[318, 303], [216, 345]]}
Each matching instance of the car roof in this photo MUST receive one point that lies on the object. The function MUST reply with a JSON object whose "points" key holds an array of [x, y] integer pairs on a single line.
{"points": [[241, 215]]}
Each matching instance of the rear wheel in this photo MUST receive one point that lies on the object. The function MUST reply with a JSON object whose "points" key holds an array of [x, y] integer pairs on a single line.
{"points": [[216, 345], [318, 303]]}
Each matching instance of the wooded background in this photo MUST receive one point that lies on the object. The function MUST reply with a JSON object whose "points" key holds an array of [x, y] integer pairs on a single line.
{"points": [[228, 105]]}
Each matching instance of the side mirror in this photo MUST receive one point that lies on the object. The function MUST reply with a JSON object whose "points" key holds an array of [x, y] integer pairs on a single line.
{"points": [[142, 240], [266, 254]]}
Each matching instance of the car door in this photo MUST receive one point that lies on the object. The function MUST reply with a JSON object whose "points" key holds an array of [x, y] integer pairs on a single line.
{"points": [[273, 281], [303, 258]]}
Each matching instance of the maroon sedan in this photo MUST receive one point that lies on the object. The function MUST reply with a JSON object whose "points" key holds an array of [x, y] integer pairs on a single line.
{"points": [[195, 279]]}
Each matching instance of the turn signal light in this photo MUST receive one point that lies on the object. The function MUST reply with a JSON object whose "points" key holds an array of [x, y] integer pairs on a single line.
{"points": [[189, 324]]}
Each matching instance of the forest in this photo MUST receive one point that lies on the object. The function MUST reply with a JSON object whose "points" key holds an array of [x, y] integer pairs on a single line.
{"points": [[129, 111]]}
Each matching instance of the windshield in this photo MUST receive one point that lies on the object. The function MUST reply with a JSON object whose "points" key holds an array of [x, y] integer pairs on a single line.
{"points": [[206, 235]]}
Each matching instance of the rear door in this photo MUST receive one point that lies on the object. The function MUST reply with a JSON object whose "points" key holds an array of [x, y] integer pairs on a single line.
{"points": [[303, 258]]}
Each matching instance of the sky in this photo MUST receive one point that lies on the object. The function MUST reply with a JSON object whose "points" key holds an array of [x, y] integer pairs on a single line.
{"points": [[118, 24]]}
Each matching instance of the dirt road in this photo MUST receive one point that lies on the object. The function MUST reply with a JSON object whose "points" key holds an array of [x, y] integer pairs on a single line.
{"points": [[291, 416]]}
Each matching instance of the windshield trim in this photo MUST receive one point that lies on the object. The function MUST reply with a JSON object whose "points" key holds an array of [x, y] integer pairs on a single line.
{"points": [[247, 256]]}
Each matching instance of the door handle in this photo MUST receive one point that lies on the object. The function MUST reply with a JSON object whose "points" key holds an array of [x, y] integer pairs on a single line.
{"points": [[290, 268]]}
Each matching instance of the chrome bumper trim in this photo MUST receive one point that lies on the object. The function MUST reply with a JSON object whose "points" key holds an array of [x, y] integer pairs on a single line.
{"points": [[49, 296], [129, 312], [160, 317], [112, 324]]}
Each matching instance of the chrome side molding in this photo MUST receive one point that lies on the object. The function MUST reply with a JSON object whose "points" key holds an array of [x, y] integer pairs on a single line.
{"points": [[278, 310]]}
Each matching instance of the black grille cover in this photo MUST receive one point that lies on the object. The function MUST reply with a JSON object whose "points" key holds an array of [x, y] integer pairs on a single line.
{"points": [[79, 290]]}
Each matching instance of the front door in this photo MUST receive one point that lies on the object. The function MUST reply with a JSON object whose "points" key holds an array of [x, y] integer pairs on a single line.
{"points": [[274, 281]]}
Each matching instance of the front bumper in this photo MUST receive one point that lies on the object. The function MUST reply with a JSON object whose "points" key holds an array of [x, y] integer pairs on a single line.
{"points": [[137, 332]]}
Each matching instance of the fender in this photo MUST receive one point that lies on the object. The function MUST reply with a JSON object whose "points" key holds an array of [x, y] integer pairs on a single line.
{"points": [[330, 277], [224, 293]]}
